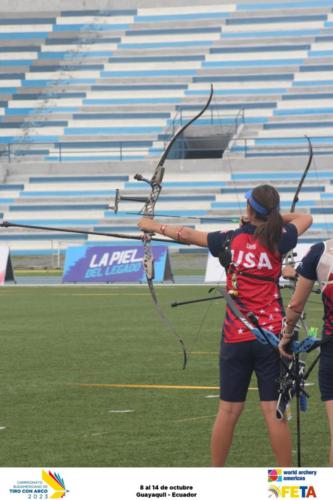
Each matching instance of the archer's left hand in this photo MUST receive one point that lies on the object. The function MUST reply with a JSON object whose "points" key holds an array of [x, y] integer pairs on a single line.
{"points": [[149, 225], [283, 347], [285, 340]]}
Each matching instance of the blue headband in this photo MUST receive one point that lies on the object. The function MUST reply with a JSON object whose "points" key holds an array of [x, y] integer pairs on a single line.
{"points": [[255, 205]]}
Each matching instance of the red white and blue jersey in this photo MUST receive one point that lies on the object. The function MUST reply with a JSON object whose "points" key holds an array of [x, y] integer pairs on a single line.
{"points": [[317, 265], [257, 289]]}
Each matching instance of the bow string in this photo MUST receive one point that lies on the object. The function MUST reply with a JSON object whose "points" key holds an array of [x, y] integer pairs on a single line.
{"points": [[289, 258]]}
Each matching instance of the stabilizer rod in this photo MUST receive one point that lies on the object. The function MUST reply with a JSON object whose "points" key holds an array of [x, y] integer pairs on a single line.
{"points": [[82, 231]]}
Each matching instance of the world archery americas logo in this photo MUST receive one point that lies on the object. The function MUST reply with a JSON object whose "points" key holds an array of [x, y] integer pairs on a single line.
{"points": [[56, 482], [274, 475]]}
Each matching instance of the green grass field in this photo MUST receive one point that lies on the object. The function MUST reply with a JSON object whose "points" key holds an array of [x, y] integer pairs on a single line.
{"points": [[82, 376]]}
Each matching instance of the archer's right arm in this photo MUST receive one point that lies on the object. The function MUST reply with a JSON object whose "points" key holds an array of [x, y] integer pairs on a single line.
{"points": [[301, 221]]}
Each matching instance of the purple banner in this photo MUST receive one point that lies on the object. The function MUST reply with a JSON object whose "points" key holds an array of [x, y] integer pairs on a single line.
{"points": [[111, 264]]}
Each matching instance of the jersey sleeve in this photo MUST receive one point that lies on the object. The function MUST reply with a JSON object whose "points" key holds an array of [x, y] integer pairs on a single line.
{"points": [[288, 239], [309, 263], [215, 242]]}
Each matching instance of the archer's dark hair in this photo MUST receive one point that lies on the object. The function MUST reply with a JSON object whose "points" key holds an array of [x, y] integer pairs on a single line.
{"points": [[269, 232]]}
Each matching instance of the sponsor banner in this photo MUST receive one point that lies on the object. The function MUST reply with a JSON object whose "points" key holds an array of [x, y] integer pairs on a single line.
{"points": [[113, 264], [169, 483], [6, 268], [215, 273]]}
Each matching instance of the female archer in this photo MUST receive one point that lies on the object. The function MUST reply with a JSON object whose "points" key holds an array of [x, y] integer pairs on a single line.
{"points": [[317, 265], [252, 256]]}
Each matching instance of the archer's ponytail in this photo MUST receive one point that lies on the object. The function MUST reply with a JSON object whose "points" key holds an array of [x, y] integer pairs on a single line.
{"points": [[269, 232]]}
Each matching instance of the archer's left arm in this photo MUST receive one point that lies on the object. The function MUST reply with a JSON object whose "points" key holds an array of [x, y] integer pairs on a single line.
{"points": [[182, 234], [294, 311]]}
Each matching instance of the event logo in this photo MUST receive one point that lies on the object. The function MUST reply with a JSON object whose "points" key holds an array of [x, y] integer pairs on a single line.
{"points": [[56, 482], [274, 475], [51, 485]]}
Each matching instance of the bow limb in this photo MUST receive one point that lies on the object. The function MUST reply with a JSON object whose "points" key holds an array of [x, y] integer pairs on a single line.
{"points": [[148, 211], [305, 173], [183, 128], [289, 258]]}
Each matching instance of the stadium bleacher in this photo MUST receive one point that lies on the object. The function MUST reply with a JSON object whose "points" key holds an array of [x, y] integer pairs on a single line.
{"points": [[90, 74], [85, 93]]}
